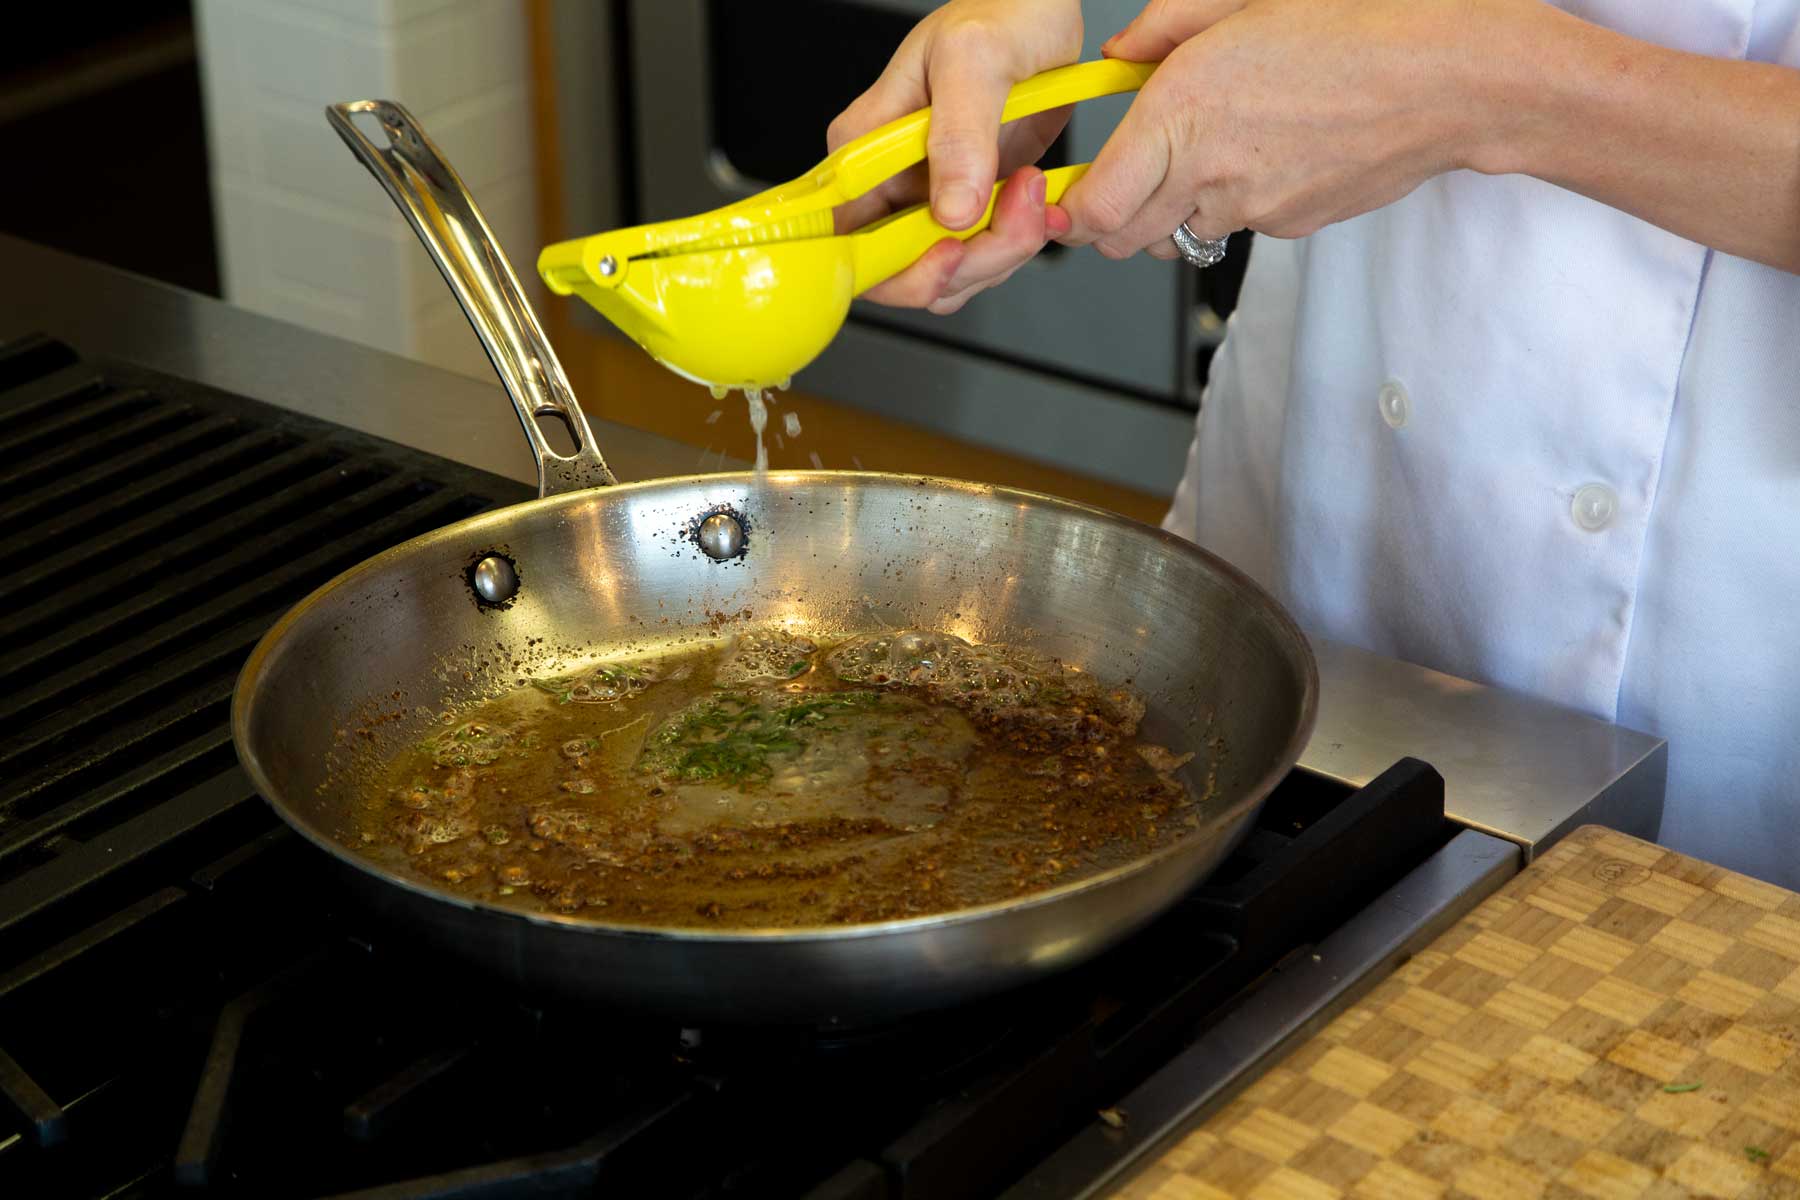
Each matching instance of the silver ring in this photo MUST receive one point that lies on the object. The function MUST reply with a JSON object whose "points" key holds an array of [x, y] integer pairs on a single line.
{"points": [[1201, 252]]}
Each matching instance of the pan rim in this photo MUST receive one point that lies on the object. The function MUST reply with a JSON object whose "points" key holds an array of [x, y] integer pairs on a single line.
{"points": [[1251, 798]]}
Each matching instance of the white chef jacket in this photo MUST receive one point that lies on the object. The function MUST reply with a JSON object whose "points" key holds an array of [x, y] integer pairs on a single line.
{"points": [[1512, 434]]}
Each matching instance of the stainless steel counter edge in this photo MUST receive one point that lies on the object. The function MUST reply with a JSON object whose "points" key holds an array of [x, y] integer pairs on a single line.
{"points": [[1293, 1003], [1513, 766], [106, 312], [1522, 769]]}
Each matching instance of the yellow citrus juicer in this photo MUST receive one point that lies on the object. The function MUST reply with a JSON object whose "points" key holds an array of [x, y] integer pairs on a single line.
{"points": [[746, 295]]}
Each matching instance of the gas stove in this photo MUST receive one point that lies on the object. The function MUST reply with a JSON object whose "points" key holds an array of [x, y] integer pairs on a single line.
{"points": [[188, 1006], [234, 1033]]}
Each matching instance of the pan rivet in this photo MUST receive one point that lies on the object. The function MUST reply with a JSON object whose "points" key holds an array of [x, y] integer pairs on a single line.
{"points": [[609, 265], [721, 537], [495, 580]]}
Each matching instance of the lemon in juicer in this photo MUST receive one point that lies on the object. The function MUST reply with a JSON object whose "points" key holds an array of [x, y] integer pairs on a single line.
{"points": [[746, 295]]}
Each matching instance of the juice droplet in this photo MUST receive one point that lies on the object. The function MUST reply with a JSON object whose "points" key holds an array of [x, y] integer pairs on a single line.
{"points": [[790, 421], [759, 420], [785, 383], [719, 391], [817, 462]]}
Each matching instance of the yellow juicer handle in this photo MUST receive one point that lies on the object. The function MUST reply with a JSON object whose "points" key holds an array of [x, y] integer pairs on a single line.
{"points": [[889, 246], [881, 154]]}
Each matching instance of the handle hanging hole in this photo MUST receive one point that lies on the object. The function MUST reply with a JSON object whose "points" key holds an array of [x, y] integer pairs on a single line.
{"points": [[371, 126], [558, 432]]}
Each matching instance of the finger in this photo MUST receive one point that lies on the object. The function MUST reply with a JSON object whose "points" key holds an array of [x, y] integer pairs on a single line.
{"points": [[1126, 173], [898, 90], [955, 301], [1023, 142], [1167, 207], [902, 191], [1164, 25], [947, 305], [968, 90], [924, 281], [1014, 236], [1164, 250], [1019, 230]]}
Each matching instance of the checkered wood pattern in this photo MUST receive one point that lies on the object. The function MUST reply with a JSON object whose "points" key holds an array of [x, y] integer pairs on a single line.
{"points": [[1528, 1053]]}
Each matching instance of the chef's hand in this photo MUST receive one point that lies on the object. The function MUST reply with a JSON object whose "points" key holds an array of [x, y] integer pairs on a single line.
{"points": [[1283, 116], [962, 60]]}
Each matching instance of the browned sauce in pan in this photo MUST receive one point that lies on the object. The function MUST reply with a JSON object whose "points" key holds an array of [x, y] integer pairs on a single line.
{"points": [[772, 782]]}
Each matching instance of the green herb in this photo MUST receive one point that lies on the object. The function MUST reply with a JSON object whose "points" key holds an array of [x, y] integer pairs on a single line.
{"points": [[1755, 1153], [724, 740], [795, 669], [820, 708], [733, 736], [562, 689], [1676, 1088], [736, 758]]}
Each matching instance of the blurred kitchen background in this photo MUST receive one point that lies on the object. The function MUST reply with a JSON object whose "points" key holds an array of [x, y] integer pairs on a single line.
{"points": [[183, 139]]}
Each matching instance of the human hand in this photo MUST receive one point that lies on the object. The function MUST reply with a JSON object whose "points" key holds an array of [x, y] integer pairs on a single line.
{"points": [[1284, 116], [962, 60]]}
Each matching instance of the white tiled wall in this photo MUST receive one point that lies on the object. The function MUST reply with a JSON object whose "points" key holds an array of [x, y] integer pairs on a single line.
{"points": [[305, 233]]}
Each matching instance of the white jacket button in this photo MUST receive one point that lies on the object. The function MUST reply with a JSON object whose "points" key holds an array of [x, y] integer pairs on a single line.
{"points": [[1594, 506], [1392, 402]]}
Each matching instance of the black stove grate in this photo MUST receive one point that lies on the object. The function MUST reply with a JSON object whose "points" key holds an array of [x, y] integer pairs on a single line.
{"points": [[152, 530], [183, 1009]]}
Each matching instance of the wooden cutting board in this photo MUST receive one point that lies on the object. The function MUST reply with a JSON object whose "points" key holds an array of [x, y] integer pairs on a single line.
{"points": [[1548, 1045]]}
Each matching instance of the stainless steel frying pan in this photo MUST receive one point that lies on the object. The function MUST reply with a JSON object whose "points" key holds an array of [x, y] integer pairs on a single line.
{"points": [[364, 664]]}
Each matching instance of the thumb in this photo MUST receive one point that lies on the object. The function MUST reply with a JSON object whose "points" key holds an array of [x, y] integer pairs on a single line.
{"points": [[967, 94], [1164, 25]]}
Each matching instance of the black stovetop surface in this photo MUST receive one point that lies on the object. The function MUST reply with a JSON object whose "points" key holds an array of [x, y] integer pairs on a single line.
{"points": [[187, 1007]]}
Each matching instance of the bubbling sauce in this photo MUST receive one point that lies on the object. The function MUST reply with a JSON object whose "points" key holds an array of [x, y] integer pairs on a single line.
{"points": [[776, 782]]}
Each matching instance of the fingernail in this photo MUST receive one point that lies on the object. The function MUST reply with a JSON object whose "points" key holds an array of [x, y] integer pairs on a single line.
{"points": [[1036, 191], [957, 204]]}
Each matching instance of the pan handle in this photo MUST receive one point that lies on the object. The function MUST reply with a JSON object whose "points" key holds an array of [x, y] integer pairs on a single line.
{"points": [[439, 208]]}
